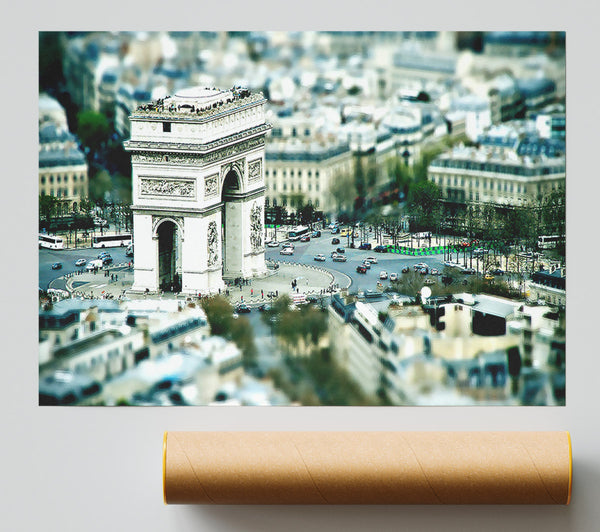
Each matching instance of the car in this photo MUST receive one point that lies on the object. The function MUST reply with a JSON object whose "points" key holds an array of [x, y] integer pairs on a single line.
{"points": [[406, 269], [380, 249], [361, 269], [107, 260], [429, 281], [316, 234], [497, 271], [393, 276], [288, 245], [383, 275], [468, 271], [367, 264], [272, 244], [450, 264], [424, 271], [335, 230], [365, 246], [287, 251], [434, 271], [319, 258], [488, 277], [265, 307], [345, 232], [305, 238], [242, 308], [104, 254], [335, 241], [372, 260], [421, 265], [339, 258], [80, 262], [341, 250], [57, 266]]}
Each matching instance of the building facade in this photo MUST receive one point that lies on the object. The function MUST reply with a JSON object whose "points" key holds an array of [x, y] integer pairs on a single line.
{"points": [[500, 177], [198, 190]]}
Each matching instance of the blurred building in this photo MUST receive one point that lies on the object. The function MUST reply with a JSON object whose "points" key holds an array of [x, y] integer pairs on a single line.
{"points": [[496, 176], [549, 287], [102, 339], [300, 171], [63, 169]]}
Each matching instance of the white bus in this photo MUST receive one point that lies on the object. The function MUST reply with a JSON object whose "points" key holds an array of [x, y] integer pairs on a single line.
{"points": [[298, 232], [51, 242], [549, 241], [111, 241]]}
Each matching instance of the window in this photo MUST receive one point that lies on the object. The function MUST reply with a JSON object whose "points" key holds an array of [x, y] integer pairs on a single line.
{"points": [[51, 179], [43, 180], [82, 177], [166, 127], [74, 178]]}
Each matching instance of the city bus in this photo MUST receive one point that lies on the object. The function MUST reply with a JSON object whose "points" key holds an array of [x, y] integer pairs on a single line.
{"points": [[51, 242], [111, 241], [298, 232], [549, 241]]}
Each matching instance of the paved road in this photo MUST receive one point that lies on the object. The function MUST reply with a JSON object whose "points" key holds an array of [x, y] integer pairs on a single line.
{"points": [[68, 257]]}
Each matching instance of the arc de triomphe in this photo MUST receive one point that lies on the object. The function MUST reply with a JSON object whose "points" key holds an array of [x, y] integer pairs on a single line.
{"points": [[198, 190]]}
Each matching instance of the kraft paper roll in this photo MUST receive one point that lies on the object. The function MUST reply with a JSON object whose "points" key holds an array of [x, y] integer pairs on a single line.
{"points": [[367, 468]]}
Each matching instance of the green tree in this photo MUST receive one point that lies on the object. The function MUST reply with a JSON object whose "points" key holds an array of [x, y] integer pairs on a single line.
{"points": [[342, 191], [50, 60], [48, 206], [100, 183], [424, 204], [93, 131]]}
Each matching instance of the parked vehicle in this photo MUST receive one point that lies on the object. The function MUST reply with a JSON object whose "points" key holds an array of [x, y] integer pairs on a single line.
{"points": [[380, 249], [365, 246]]}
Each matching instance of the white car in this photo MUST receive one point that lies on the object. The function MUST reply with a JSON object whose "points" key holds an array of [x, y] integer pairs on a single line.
{"points": [[273, 244], [421, 265], [320, 257], [288, 245], [287, 251], [383, 275], [367, 264], [80, 262], [372, 260], [393, 276]]}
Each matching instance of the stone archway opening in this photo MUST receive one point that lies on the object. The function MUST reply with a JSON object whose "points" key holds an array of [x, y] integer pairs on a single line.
{"points": [[169, 267], [231, 230]]}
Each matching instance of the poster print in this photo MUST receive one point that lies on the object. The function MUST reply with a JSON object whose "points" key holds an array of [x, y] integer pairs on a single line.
{"points": [[304, 218]]}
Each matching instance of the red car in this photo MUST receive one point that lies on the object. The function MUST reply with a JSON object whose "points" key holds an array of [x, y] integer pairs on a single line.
{"points": [[305, 238]]}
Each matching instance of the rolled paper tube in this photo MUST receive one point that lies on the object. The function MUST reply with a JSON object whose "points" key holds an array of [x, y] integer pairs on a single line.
{"points": [[367, 467]]}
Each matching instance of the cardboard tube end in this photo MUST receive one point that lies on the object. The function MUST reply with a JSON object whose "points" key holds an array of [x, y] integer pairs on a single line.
{"points": [[570, 467], [164, 467]]}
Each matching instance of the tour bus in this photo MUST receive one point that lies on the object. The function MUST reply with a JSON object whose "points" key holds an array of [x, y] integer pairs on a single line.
{"points": [[298, 232], [111, 241], [51, 242], [549, 242]]}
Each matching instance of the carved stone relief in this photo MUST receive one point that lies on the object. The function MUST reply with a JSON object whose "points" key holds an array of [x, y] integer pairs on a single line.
{"points": [[254, 170], [211, 185], [256, 227], [212, 244], [167, 187]]}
